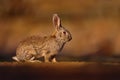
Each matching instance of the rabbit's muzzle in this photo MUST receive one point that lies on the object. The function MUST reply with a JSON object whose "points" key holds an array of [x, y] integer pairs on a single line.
{"points": [[69, 38]]}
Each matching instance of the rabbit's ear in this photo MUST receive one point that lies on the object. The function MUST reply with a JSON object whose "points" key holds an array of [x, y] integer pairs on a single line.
{"points": [[56, 21]]}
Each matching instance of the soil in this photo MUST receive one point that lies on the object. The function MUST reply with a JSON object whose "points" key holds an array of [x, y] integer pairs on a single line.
{"points": [[60, 71]]}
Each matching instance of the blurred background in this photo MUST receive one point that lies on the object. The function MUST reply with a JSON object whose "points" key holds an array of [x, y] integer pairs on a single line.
{"points": [[94, 25]]}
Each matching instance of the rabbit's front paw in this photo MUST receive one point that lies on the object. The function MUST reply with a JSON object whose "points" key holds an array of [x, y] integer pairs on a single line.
{"points": [[54, 60]]}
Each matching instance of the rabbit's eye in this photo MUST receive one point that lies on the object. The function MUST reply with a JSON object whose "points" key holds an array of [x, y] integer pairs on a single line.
{"points": [[64, 32]]}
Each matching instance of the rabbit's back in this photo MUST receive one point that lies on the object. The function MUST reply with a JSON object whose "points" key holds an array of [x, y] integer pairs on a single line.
{"points": [[33, 40]]}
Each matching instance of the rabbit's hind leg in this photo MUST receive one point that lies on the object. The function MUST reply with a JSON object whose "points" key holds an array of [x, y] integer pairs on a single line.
{"points": [[36, 61], [32, 60]]}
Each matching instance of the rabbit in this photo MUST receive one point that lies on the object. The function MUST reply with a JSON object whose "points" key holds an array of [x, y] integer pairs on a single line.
{"points": [[33, 48]]}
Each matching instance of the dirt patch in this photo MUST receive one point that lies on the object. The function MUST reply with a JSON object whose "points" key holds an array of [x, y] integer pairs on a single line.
{"points": [[60, 71]]}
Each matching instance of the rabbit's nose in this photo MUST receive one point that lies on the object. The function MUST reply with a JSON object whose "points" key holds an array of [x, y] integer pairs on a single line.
{"points": [[70, 38]]}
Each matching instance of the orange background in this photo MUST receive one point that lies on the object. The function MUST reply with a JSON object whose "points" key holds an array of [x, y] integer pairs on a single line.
{"points": [[94, 24]]}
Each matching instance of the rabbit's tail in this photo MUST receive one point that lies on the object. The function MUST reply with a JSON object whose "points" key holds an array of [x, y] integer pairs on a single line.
{"points": [[15, 58]]}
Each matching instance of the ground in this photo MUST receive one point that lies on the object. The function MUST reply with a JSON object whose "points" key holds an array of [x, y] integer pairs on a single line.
{"points": [[60, 71]]}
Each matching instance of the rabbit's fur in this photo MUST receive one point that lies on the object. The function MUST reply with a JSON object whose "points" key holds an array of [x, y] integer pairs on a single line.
{"points": [[35, 47]]}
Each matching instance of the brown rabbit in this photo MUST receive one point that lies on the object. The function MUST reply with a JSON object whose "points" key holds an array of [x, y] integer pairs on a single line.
{"points": [[35, 47]]}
